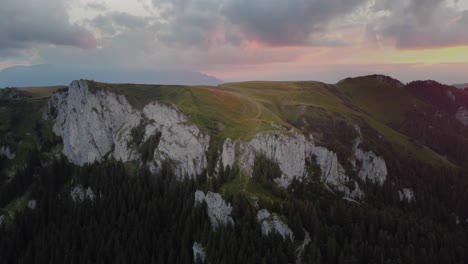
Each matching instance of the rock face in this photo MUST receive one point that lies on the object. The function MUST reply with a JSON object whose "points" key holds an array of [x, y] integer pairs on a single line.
{"points": [[181, 143], [79, 194], [92, 124], [97, 122], [272, 223], [406, 194], [32, 204], [291, 151], [462, 116], [7, 152], [2, 218], [370, 166], [198, 253], [333, 174], [217, 209]]}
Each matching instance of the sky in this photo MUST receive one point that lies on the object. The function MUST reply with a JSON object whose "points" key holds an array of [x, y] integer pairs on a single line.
{"points": [[236, 40]]}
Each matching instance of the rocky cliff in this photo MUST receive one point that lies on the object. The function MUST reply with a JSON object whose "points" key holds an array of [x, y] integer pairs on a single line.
{"points": [[96, 122], [217, 209], [7, 152], [462, 116], [294, 152], [272, 223]]}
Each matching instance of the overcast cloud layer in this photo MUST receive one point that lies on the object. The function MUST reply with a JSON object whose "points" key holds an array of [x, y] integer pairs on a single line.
{"points": [[28, 22], [224, 37]]}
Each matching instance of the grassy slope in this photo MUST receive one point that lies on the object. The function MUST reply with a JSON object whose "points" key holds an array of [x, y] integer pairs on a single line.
{"points": [[385, 102], [39, 92], [240, 110]]}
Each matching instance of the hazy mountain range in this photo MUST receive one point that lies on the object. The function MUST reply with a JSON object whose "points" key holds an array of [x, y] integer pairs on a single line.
{"points": [[47, 75]]}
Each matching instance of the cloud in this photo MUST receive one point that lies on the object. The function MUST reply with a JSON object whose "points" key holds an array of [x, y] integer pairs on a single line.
{"points": [[268, 22], [115, 21], [283, 23], [96, 6], [420, 24], [28, 22]]}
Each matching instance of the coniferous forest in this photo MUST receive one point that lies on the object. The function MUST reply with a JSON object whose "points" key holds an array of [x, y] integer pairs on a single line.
{"points": [[139, 217]]}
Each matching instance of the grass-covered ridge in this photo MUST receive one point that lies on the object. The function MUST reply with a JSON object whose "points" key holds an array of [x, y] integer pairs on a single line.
{"points": [[241, 110]]}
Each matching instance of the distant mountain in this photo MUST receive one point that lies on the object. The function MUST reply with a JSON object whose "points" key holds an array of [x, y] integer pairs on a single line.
{"points": [[461, 86], [47, 75]]}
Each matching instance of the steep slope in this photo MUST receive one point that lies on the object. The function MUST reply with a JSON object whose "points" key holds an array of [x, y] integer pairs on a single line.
{"points": [[443, 123]]}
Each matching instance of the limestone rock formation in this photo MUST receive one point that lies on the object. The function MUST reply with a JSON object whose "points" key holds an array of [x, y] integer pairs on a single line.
{"points": [[7, 152], [79, 194], [272, 223], [98, 122], [291, 151], [217, 209], [92, 123], [370, 167], [462, 116], [198, 253], [406, 194], [181, 143], [32, 204]]}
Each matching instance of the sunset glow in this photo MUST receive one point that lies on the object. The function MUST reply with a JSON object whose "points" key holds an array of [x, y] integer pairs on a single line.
{"points": [[241, 40]]}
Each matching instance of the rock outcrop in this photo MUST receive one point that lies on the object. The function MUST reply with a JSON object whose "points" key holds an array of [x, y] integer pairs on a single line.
{"points": [[406, 194], [217, 209], [370, 167], [181, 143], [199, 253], [291, 151], [97, 122], [462, 116], [2, 219], [32, 204], [272, 223], [92, 124], [7, 152], [79, 194]]}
